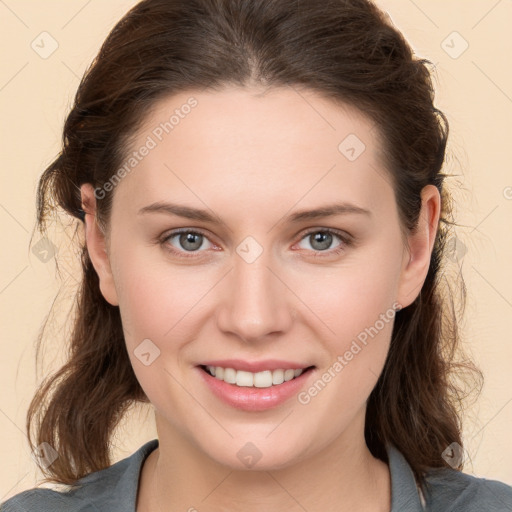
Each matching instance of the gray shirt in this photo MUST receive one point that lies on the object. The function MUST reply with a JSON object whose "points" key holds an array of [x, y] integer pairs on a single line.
{"points": [[114, 489]]}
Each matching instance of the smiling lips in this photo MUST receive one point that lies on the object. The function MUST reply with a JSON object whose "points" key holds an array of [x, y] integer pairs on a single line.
{"points": [[254, 386]]}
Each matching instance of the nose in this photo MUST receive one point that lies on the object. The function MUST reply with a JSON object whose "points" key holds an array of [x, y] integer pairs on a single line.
{"points": [[255, 301]]}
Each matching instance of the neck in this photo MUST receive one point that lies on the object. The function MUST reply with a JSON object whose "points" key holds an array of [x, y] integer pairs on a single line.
{"points": [[343, 476]]}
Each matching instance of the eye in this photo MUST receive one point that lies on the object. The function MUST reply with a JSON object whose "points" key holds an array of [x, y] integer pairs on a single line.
{"points": [[183, 241], [320, 240]]}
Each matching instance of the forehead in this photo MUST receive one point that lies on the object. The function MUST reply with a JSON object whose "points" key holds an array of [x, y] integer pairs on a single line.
{"points": [[246, 118], [235, 142]]}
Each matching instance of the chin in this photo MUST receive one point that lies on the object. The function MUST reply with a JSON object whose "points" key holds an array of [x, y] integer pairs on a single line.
{"points": [[256, 455]]}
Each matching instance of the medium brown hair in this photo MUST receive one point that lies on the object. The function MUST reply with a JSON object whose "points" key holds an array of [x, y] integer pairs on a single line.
{"points": [[349, 52]]}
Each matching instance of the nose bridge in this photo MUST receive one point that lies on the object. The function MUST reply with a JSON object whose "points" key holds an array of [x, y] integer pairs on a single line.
{"points": [[255, 302]]}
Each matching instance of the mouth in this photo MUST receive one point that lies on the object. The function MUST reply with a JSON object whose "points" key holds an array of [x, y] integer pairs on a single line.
{"points": [[261, 379], [267, 387]]}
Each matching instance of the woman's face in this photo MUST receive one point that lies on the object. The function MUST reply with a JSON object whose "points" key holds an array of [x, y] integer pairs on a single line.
{"points": [[251, 281]]}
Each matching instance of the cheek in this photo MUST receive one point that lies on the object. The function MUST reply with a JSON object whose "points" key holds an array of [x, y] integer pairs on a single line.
{"points": [[155, 298], [351, 298], [357, 305], [158, 310], [360, 320]]}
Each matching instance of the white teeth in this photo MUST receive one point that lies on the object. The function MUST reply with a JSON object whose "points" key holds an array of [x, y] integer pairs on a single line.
{"points": [[277, 376], [289, 374], [229, 375], [245, 379], [263, 379]]}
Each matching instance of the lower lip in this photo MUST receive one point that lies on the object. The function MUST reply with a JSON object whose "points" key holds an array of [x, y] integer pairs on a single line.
{"points": [[251, 398]]}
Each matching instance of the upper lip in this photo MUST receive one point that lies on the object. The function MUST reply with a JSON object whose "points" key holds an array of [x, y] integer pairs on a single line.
{"points": [[256, 366]]}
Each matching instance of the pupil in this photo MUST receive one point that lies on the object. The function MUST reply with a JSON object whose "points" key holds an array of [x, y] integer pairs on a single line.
{"points": [[187, 239], [324, 239]]}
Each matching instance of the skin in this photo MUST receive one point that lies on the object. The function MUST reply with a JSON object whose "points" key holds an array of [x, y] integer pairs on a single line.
{"points": [[253, 157]]}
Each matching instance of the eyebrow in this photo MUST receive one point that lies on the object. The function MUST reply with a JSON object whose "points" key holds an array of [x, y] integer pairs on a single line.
{"points": [[299, 216]]}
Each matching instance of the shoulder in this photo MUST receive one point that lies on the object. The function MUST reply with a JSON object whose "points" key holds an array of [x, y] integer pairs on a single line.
{"points": [[449, 490], [46, 500], [113, 488]]}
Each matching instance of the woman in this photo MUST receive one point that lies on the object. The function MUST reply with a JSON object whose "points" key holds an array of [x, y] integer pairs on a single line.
{"points": [[265, 220]]}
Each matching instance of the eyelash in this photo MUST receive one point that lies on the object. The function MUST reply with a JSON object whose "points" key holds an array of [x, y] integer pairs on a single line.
{"points": [[345, 239]]}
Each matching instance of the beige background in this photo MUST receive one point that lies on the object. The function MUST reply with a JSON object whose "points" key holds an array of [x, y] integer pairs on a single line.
{"points": [[474, 90]]}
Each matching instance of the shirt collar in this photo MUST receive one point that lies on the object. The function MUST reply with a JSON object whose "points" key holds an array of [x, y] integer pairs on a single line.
{"points": [[404, 491]]}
